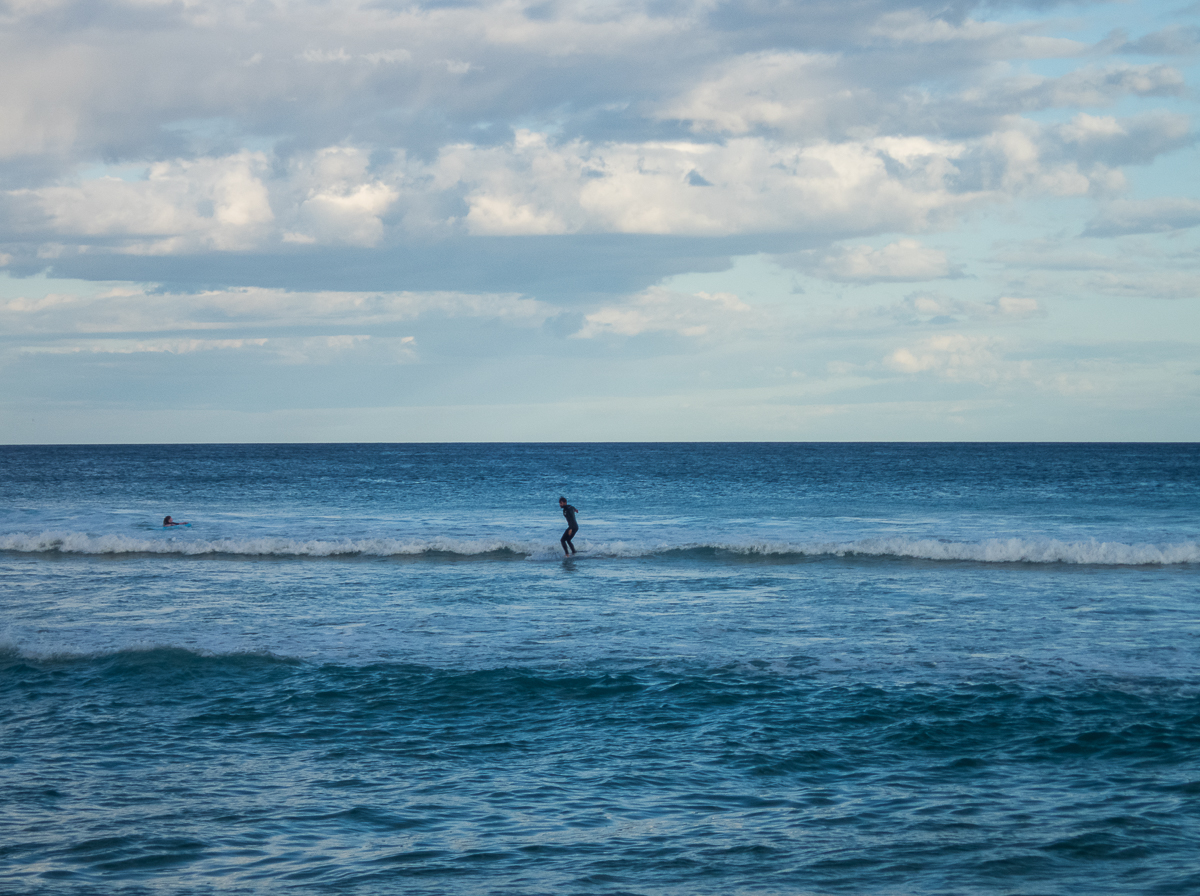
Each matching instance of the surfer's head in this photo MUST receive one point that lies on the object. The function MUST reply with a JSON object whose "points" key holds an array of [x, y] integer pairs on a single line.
{"points": [[166, 521], [561, 501]]}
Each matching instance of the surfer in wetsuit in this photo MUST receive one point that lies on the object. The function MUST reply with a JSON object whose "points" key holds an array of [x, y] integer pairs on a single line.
{"points": [[572, 526], [170, 522]]}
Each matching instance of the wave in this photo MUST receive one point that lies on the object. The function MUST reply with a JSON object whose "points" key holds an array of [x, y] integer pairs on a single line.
{"points": [[266, 546], [996, 550]]}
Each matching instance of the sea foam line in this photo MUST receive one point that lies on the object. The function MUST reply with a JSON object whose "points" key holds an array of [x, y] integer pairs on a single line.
{"points": [[997, 550], [266, 546]]}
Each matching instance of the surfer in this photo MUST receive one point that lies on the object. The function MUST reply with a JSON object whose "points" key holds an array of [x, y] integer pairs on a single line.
{"points": [[167, 521], [572, 526]]}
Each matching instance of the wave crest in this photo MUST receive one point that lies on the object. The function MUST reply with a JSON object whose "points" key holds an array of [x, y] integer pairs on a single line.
{"points": [[997, 550]]}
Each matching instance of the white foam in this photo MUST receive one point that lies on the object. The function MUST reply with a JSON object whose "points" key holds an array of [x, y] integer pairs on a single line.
{"points": [[1009, 550], [996, 550], [267, 546]]}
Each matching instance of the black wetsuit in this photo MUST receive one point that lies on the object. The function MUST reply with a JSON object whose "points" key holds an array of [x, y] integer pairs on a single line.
{"points": [[572, 527]]}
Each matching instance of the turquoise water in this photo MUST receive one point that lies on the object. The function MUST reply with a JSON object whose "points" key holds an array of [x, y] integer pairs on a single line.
{"points": [[772, 669]]}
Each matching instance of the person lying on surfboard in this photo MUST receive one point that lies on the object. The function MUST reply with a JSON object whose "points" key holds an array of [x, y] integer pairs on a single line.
{"points": [[572, 526], [167, 521]]}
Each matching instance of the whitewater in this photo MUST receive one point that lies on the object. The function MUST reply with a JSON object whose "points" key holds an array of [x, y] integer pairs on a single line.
{"points": [[995, 550]]}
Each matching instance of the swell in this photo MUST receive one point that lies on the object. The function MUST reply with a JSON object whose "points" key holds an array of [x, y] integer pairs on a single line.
{"points": [[393, 777], [788, 712], [998, 550]]}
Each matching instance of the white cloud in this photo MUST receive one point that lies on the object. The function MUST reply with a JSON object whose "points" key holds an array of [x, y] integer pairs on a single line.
{"points": [[331, 349], [142, 346], [384, 138], [534, 186], [338, 200], [284, 350], [903, 260], [372, 104], [128, 310], [660, 310], [227, 203], [930, 306], [952, 356], [181, 206], [791, 91]]}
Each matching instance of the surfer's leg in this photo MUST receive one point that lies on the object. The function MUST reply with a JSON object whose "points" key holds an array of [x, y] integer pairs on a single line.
{"points": [[570, 539], [566, 539]]}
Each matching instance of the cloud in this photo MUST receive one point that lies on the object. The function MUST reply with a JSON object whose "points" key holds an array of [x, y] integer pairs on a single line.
{"points": [[538, 186], [953, 357], [916, 26], [664, 311], [801, 94], [1148, 284], [338, 200], [1174, 40], [831, 96], [1090, 86], [264, 128], [941, 308], [142, 346], [755, 185], [531, 186], [1055, 254], [313, 350], [1126, 216], [903, 260], [925, 311], [1136, 140], [132, 310], [181, 206]]}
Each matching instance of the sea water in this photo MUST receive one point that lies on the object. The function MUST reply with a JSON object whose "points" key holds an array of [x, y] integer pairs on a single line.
{"points": [[771, 668]]}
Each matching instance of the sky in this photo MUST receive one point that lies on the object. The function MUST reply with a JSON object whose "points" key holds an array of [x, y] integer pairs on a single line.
{"points": [[567, 220]]}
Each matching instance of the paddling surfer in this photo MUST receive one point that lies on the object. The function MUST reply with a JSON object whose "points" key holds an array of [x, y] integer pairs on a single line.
{"points": [[572, 526], [167, 521]]}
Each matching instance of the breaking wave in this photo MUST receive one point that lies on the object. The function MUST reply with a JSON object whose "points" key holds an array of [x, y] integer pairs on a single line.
{"points": [[998, 550]]}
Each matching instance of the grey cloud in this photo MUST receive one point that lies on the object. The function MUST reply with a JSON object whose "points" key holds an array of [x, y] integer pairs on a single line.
{"points": [[984, 107], [1129, 216], [114, 82], [1098, 86], [1078, 155], [1136, 140], [562, 270], [951, 91], [1174, 40], [819, 24], [123, 81]]}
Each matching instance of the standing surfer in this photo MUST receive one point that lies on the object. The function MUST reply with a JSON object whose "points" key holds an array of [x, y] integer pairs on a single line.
{"points": [[572, 526]]}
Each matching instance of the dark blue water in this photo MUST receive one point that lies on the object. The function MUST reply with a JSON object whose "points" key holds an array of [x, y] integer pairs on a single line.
{"points": [[772, 669]]}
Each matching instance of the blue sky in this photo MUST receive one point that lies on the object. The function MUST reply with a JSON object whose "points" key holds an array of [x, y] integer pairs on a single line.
{"points": [[566, 221]]}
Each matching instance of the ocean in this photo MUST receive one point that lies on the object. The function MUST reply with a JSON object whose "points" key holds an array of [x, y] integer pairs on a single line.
{"points": [[772, 668]]}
